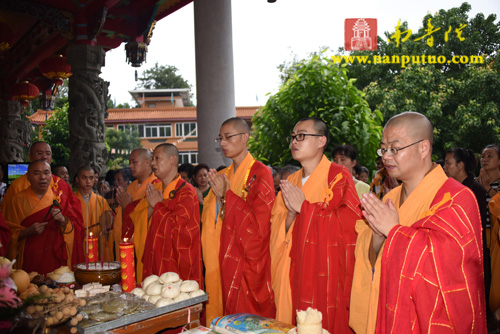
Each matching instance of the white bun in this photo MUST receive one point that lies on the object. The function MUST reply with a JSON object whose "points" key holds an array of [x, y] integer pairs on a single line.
{"points": [[170, 291], [138, 292], [196, 293], [169, 277], [154, 299], [154, 289], [189, 286], [164, 302], [148, 280], [182, 296]]}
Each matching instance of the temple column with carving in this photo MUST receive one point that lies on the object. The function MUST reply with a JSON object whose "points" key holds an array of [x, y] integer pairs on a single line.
{"points": [[88, 98], [214, 76], [15, 132]]}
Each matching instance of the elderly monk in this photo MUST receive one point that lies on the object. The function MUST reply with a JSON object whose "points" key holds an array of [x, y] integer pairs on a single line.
{"points": [[37, 221], [140, 167], [97, 215], [419, 258], [169, 216], [236, 229], [64, 194], [312, 232]]}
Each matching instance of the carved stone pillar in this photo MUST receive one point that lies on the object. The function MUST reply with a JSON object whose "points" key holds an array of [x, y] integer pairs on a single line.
{"points": [[15, 132], [88, 99]]}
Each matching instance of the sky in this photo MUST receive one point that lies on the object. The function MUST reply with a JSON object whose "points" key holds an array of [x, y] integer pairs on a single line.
{"points": [[266, 35]]}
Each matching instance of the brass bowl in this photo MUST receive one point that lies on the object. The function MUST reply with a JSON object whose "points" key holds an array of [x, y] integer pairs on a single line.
{"points": [[109, 274]]}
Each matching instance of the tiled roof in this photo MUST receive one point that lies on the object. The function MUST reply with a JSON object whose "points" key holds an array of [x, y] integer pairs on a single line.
{"points": [[137, 115]]}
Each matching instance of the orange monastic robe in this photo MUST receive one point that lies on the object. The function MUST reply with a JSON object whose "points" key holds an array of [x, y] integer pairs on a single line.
{"points": [[137, 192], [92, 212], [366, 283], [136, 223], [235, 249], [243, 247], [64, 194], [494, 298], [432, 278], [44, 252], [316, 268]]}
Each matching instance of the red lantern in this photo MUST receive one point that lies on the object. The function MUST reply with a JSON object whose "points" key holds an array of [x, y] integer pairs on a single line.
{"points": [[6, 37], [56, 69], [24, 92]]}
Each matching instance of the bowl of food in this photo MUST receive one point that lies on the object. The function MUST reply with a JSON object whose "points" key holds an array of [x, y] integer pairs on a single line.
{"points": [[107, 273]]}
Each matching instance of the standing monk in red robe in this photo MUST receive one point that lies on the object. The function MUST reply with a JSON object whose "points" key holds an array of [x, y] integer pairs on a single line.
{"points": [[64, 194], [431, 276], [140, 167], [236, 230], [171, 217], [37, 221], [312, 232]]}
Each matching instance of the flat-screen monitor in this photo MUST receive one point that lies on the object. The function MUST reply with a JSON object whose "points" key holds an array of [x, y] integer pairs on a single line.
{"points": [[15, 170]]}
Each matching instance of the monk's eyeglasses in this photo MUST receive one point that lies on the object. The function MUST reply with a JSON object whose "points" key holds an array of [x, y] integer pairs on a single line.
{"points": [[394, 150], [220, 139], [301, 136]]}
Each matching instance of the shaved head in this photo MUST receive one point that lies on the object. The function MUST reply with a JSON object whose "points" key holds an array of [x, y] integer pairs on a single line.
{"points": [[35, 145], [168, 149], [418, 126], [238, 124], [32, 166], [84, 169], [143, 153]]}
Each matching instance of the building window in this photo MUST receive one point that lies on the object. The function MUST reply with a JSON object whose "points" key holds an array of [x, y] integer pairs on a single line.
{"points": [[186, 129], [132, 127], [152, 105], [188, 157], [157, 130]]}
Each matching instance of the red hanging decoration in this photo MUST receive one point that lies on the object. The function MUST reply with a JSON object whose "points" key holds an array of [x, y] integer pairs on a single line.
{"points": [[56, 69], [24, 92]]}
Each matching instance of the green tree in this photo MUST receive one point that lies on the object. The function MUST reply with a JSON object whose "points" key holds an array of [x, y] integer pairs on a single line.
{"points": [[119, 145], [318, 88], [163, 76], [461, 100], [56, 134]]}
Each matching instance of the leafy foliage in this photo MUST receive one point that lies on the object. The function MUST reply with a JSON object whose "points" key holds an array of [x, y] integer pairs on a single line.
{"points": [[119, 145], [163, 76], [316, 88], [461, 100], [56, 134]]}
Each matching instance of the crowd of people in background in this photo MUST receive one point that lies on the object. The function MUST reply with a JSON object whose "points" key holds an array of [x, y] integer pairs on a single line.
{"points": [[212, 189]]}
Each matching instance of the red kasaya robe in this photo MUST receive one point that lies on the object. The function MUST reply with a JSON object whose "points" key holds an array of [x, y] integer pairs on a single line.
{"points": [[432, 271], [173, 238], [4, 235], [245, 261], [69, 204], [322, 254]]}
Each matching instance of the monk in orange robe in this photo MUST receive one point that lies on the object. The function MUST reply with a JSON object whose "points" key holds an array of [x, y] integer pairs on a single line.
{"points": [[97, 215], [140, 167], [312, 232], [64, 194], [169, 217], [4, 235], [236, 230], [422, 248], [37, 220]]}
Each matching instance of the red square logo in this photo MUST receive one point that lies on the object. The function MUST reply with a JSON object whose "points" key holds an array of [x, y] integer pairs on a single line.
{"points": [[360, 34]]}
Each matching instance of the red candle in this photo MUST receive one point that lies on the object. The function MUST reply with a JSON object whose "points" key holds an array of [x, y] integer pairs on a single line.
{"points": [[92, 249], [127, 265]]}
